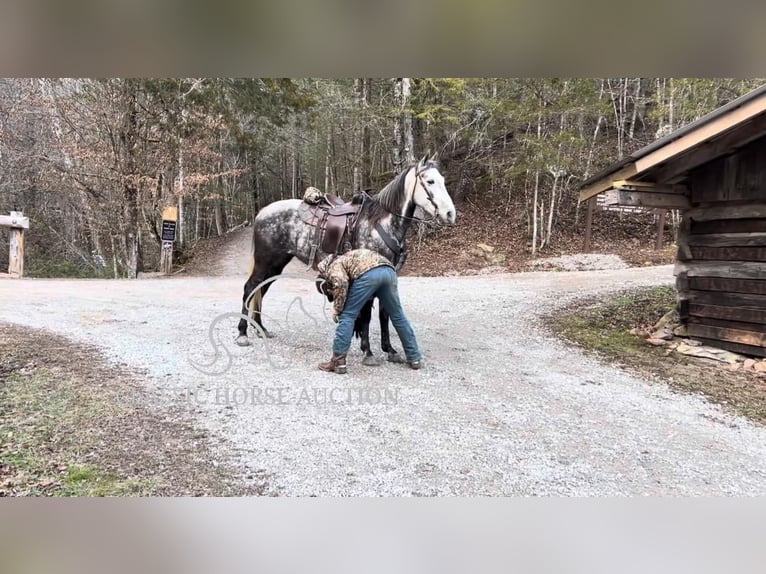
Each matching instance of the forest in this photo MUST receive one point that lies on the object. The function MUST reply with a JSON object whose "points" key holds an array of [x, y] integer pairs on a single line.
{"points": [[92, 162]]}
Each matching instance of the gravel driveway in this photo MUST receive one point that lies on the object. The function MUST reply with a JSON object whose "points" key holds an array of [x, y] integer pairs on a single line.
{"points": [[501, 408]]}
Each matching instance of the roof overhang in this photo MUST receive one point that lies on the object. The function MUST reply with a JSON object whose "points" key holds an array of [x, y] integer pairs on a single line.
{"points": [[668, 160]]}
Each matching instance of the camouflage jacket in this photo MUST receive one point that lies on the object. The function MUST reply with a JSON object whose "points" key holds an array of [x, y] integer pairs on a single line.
{"points": [[341, 270]]}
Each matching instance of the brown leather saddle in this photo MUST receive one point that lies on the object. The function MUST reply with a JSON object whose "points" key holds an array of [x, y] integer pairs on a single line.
{"points": [[335, 223]]}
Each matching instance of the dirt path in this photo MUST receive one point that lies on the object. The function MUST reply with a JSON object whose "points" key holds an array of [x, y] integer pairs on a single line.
{"points": [[501, 407], [221, 256]]}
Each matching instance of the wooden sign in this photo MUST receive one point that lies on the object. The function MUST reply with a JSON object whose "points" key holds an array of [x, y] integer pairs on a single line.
{"points": [[15, 219], [168, 230], [168, 236], [170, 213]]}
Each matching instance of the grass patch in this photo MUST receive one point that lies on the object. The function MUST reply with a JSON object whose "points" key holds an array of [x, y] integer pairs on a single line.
{"points": [[46, 268], [604, 327], [72, 425], [43, 438], [90, 481]]}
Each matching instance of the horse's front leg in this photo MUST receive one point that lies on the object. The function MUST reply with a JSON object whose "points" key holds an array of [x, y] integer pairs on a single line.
{"points": [[362, 330], [385, 338]]}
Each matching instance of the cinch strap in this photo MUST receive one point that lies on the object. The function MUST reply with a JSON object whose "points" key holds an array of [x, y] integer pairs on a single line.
{"points": [[390, 242]]}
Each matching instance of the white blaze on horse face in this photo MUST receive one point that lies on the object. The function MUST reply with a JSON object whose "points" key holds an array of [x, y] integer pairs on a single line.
{"points": [[431, 195]]}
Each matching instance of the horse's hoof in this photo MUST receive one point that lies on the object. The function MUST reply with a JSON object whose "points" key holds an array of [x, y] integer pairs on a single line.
{"points": [[243, 341], [394, 357], [265, 333], [371, 361]]}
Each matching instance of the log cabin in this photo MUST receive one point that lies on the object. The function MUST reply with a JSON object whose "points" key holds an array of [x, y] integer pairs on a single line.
{"points": [[714, 171]]}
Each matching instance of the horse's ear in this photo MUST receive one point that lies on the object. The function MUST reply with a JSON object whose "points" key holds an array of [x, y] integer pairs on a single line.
{"points": [[435, 158], [423, 161]]}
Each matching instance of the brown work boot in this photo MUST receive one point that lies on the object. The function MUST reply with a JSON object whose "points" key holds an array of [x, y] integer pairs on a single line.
{"points": [[337, 364]]}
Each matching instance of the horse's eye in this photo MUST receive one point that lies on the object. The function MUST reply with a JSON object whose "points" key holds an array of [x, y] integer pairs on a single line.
{"points": [[430, 182]]}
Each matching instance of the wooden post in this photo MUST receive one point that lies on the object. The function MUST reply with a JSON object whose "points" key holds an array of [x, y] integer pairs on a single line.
{"points": [[18, 223], [661, 213], [681, 271], [589, 224], [16, 260], [166, 258]]}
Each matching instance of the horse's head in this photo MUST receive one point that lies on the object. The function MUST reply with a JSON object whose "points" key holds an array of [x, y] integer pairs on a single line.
{"points": [[429, 191]]}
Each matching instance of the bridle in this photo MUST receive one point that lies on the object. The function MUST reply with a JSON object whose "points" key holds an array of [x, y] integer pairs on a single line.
{"points": [[429, 195], [397, 247]]}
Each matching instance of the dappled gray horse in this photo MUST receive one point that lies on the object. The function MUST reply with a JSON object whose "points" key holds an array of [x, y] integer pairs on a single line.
{"points": [[279, 233]]}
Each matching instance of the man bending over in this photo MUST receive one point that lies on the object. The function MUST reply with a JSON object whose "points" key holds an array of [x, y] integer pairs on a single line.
{"points": [[369, 275]]}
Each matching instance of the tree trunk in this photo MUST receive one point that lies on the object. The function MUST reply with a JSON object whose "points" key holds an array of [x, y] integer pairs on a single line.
{"points": [[364, 150], [130, 187], [396, 152], [357, 139], [220, 227], [536, 192], [196, 220], [132, 237], [634, 117], [549, 228], [534, 213], [409, 146], [327, 167], [221, 222], [114, 258], [181, 176], [181, 221], [294, 166], [671, 106]]}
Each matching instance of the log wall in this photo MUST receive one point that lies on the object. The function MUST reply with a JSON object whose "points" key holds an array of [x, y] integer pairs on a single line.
{"points": [[721, 269]]}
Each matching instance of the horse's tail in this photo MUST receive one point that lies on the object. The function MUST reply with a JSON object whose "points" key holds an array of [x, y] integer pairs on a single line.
{"points": [[254, 298], [252, 260]]}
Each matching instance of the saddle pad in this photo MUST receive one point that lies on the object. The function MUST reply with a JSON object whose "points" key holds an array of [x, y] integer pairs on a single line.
{"points": [[310, 214]]}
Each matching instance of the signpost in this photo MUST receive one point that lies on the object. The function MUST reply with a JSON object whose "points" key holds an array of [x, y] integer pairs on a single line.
{"points": [[18, 223], [168, 236], [168, 231]]}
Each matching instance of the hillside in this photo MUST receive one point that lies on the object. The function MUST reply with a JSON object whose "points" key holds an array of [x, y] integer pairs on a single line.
{"points": [[454, 250]]}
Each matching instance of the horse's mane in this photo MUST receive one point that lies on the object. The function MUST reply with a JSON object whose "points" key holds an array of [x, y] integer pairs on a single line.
{"points": [[390, 199]]}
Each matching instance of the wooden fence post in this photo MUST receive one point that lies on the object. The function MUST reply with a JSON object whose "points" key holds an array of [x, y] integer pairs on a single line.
{"points": [[661, 214], [589, 224]]}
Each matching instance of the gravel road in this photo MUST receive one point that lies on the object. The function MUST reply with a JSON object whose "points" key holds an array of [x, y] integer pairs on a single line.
{"points": [[500, 408]]}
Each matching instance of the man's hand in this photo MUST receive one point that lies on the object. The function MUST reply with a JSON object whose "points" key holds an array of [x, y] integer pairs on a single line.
{"points": [[335, 317]]}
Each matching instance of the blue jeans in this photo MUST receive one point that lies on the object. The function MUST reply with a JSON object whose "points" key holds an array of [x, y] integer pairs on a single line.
{"points": [[380, 282]]}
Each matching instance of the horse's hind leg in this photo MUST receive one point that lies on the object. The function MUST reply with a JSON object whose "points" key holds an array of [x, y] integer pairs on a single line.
{"points": [[251, 302], [362, 330], [252, 299], [385, 338]]}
